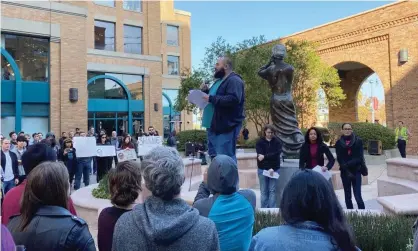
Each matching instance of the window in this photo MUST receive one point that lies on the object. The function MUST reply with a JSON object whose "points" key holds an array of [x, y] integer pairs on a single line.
{"points": [[132, 5], [172, 94], [104, 35], [172, 35], [31, 56], [134, 83], [105, 88], [132, 36], [173, 65], [108, 3]]}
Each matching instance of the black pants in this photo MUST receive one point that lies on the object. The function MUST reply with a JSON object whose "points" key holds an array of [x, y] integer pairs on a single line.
{"points": [[103, 166], [402, 147], [355, 182]]}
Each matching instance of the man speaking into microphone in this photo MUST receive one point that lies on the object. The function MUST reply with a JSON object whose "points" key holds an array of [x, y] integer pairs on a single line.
{"points": [[224, 114]]}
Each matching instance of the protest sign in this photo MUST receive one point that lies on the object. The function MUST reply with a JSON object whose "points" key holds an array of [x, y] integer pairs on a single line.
{"points": [[85, 146], [147, 143], [106, 151], [127, 154]]}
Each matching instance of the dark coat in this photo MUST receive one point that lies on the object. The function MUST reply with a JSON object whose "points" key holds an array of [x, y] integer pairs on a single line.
{"points": [[15, 164], [305, 156], [52, 228], [271, 151], [351, 163], [70, 164], [229, 105]]}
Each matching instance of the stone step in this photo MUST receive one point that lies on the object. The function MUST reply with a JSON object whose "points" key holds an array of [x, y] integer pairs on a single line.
{"points": [[402, 168], [247, 178], [390, 186], [406, 204], [247, 161]]}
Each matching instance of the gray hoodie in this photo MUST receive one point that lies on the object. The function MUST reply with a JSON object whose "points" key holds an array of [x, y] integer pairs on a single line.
{"points": [[164, 225]]}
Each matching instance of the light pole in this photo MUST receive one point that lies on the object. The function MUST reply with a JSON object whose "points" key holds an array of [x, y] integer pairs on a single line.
{"points": [[371, 98]]}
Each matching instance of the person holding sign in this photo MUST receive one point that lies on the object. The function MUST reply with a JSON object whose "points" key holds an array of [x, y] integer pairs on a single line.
{"points": [[127, 143], [313, 150], [104, 164], [67, 154]]}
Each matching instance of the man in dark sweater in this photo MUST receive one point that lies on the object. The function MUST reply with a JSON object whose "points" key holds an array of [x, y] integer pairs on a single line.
{"points": [[224, 114]]}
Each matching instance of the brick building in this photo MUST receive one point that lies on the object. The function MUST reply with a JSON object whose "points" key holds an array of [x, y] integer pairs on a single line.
{"points": [[381, 41], [122, 59]]}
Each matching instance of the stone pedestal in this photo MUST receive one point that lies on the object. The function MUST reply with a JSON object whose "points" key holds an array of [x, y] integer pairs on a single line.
{"points": [[287, 169]]}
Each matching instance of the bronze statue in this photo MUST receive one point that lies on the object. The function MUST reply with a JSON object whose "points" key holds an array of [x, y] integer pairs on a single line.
{"points": [[280, 77]]}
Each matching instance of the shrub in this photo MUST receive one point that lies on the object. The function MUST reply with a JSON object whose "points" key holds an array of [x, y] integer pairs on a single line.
{"points": [[366, 131], [102, 190], [324, 131], [190, 136], [372, 232]]}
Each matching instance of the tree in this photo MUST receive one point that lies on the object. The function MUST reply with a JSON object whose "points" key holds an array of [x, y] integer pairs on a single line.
{"points": [[363, 108], [247, 57], [311, 74], [189, 80]]}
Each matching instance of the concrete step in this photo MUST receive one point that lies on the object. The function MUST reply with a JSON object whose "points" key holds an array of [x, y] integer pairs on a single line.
{"points": [[406, 204], [390, 186], [402, 168], [247, 161], [247, 178]]}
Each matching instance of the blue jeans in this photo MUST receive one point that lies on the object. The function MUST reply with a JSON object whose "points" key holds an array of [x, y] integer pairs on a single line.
{"points": [[355, 182], [7, 185], [224, 143], [83, 169], [267, 190]]}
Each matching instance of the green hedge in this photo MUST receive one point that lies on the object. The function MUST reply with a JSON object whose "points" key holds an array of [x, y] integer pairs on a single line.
{"points": [[366, 131], [372, 233], [190, 136], [102, 190], [324, 131]]}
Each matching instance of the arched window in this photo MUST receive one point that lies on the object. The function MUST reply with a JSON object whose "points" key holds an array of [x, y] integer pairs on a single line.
{"points": [[105, 89]]}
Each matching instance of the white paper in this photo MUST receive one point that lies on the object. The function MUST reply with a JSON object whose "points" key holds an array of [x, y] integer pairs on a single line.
{"points": [[147, 143], [106, 151], [327, 174], [267, 173], [196, 97], [127, 154], [85, 146]]}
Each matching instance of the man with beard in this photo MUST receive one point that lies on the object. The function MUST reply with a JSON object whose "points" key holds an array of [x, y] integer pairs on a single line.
{"points": [[224, 114]]}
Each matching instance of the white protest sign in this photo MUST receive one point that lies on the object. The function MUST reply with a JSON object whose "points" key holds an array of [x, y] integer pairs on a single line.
{"points": [[85, 146], [327, 175], [106, 151], [127, 154], [147, 143]]}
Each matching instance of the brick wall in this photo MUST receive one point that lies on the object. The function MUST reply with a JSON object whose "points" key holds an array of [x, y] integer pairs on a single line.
{"points": [[374, 38]]}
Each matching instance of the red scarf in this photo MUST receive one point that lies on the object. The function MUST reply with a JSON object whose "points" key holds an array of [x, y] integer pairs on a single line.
{"points": [[347, 142]]}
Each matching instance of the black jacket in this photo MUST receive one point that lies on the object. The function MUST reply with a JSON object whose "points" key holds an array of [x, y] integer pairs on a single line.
{"points": [[64, 158], [229, 105], [271, 151], [52, 228], [15, 164], [305, 156], [352, 162]]}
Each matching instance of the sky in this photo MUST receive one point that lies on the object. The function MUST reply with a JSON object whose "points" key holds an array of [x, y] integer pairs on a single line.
{"points": [[239, 20]]}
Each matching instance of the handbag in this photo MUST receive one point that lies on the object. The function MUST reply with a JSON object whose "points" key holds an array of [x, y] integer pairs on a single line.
{"points": [[363, 168]]}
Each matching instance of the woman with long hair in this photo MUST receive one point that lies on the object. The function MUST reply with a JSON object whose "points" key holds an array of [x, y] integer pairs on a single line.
{"points": [[349, 149], [313, 150], [104, 164], [45, 222], [314, 219], [127, 143]]}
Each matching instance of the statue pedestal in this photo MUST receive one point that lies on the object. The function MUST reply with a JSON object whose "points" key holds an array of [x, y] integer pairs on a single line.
{"points": [[287, 169]]}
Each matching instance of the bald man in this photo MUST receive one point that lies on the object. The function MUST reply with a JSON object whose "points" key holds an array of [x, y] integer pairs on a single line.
{"points": [[224, 115]]}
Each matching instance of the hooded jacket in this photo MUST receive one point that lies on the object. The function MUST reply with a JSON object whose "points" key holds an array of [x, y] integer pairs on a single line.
{"points": [[231, 210], [229, 104], [164, 225], [271, 151], [349, 156]]}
